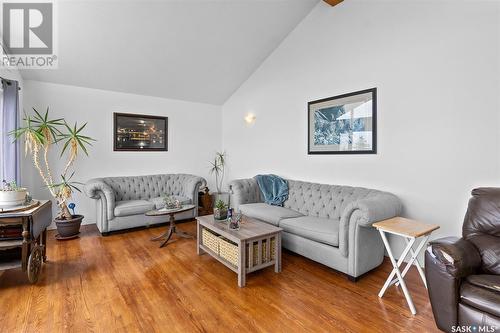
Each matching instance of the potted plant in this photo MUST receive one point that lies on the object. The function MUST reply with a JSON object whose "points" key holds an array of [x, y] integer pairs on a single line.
{"points": [[11, 194], [220, 210], [217, 168], [40, 134]]}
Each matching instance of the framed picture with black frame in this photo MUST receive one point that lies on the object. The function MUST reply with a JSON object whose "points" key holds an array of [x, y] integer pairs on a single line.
{"points": [[343, 124], [138, 132]]}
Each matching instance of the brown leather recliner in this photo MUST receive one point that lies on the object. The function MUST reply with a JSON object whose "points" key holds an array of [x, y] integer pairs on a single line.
{"points": [[463, 274]]}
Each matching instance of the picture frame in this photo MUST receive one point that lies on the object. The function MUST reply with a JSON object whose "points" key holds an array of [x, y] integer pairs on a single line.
{"points": [[139, 132], [343, 124]]}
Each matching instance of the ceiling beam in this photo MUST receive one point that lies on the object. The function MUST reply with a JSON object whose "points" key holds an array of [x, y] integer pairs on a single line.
{"points": [[333, 2]]}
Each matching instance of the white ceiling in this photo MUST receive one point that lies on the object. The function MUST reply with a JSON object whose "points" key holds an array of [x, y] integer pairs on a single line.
{"points": [[194, 50]]}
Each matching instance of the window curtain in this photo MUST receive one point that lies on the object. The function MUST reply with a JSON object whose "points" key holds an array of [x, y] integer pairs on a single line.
{"points": [[9, 120]]}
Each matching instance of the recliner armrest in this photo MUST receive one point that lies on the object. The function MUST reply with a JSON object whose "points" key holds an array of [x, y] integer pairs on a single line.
{"points": [[459, 256], [447, 261]]}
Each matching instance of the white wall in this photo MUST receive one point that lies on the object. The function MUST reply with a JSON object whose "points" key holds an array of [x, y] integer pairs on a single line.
{"points": [[436, 67], [193, 135]]}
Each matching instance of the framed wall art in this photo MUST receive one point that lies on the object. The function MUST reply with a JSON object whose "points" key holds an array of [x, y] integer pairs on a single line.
{"points": [[344, 124], [137, 132]]}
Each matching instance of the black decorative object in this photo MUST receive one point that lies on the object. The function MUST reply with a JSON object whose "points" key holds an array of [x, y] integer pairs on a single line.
{"points": [[344, 124], [136, 132]]}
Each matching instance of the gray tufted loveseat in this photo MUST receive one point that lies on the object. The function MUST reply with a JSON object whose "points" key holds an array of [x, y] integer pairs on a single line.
{"points": [[330, 224], [122, 201]]}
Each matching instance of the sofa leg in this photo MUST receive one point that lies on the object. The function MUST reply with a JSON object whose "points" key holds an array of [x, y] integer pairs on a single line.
{"points": [[104, 234], [353, 278]]}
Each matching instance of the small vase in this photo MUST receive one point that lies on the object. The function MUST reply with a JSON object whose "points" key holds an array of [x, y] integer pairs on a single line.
{"points": [[234, 222]]}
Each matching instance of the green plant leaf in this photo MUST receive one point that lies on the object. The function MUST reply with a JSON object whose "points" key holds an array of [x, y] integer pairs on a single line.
{"points": [[64, 147], [73, 135], [46, 125]]}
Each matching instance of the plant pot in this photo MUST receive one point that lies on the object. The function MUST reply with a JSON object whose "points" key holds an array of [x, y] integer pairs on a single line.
{"points": [[13, 198], [224, 196], [69, 228], [220, 214]]}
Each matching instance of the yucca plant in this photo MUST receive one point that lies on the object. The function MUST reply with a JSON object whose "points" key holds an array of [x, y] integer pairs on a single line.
{"points": [[39, 134], [218, 168]]}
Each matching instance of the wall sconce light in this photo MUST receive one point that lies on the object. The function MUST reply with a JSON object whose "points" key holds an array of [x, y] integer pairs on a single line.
{"points": [[250, 118]]}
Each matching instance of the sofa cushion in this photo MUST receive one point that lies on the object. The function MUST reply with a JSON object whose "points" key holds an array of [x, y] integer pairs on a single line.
{"points": [[482, 292], [160, 203], [491, 282], [133, 207], [314, 228], [267, 213]]}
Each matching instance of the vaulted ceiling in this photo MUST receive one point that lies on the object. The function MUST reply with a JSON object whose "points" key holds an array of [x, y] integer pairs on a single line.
{"points": [[194, 50]]}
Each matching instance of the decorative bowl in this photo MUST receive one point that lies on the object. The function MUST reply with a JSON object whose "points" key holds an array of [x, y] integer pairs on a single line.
{"points": [[13, 198]]}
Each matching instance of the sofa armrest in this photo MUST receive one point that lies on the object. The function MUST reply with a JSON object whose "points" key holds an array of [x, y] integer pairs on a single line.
{"points": [[191, 188], [364, 213], [243, 191], [96, 188], [377, 208], [459, 256], [447, 262]]}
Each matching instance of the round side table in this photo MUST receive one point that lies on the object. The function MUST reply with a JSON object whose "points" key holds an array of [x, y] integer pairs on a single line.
{"points": [[172, 229]]}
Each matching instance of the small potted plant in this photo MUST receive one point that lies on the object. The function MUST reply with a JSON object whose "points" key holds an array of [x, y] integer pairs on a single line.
{"points": [[220, 210], [40, 133], [11, 194]]}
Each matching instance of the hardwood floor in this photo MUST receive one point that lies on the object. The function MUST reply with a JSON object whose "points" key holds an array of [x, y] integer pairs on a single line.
{"points": [[124, 282]]}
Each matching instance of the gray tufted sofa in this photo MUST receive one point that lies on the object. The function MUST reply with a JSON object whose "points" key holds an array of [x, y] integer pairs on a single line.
{"points": [[122, 201], [327, 223]]}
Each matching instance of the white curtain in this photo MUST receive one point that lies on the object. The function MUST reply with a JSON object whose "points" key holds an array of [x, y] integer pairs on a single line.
{"points": [[3, 137], [9, 120]]}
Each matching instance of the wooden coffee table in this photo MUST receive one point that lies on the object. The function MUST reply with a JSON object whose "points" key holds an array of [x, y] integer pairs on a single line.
{"points": [[252, 234], [172, 229]]}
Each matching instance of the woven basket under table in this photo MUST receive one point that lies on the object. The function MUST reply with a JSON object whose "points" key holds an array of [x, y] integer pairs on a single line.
{"points": [[228, 250], [210, 240]]}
